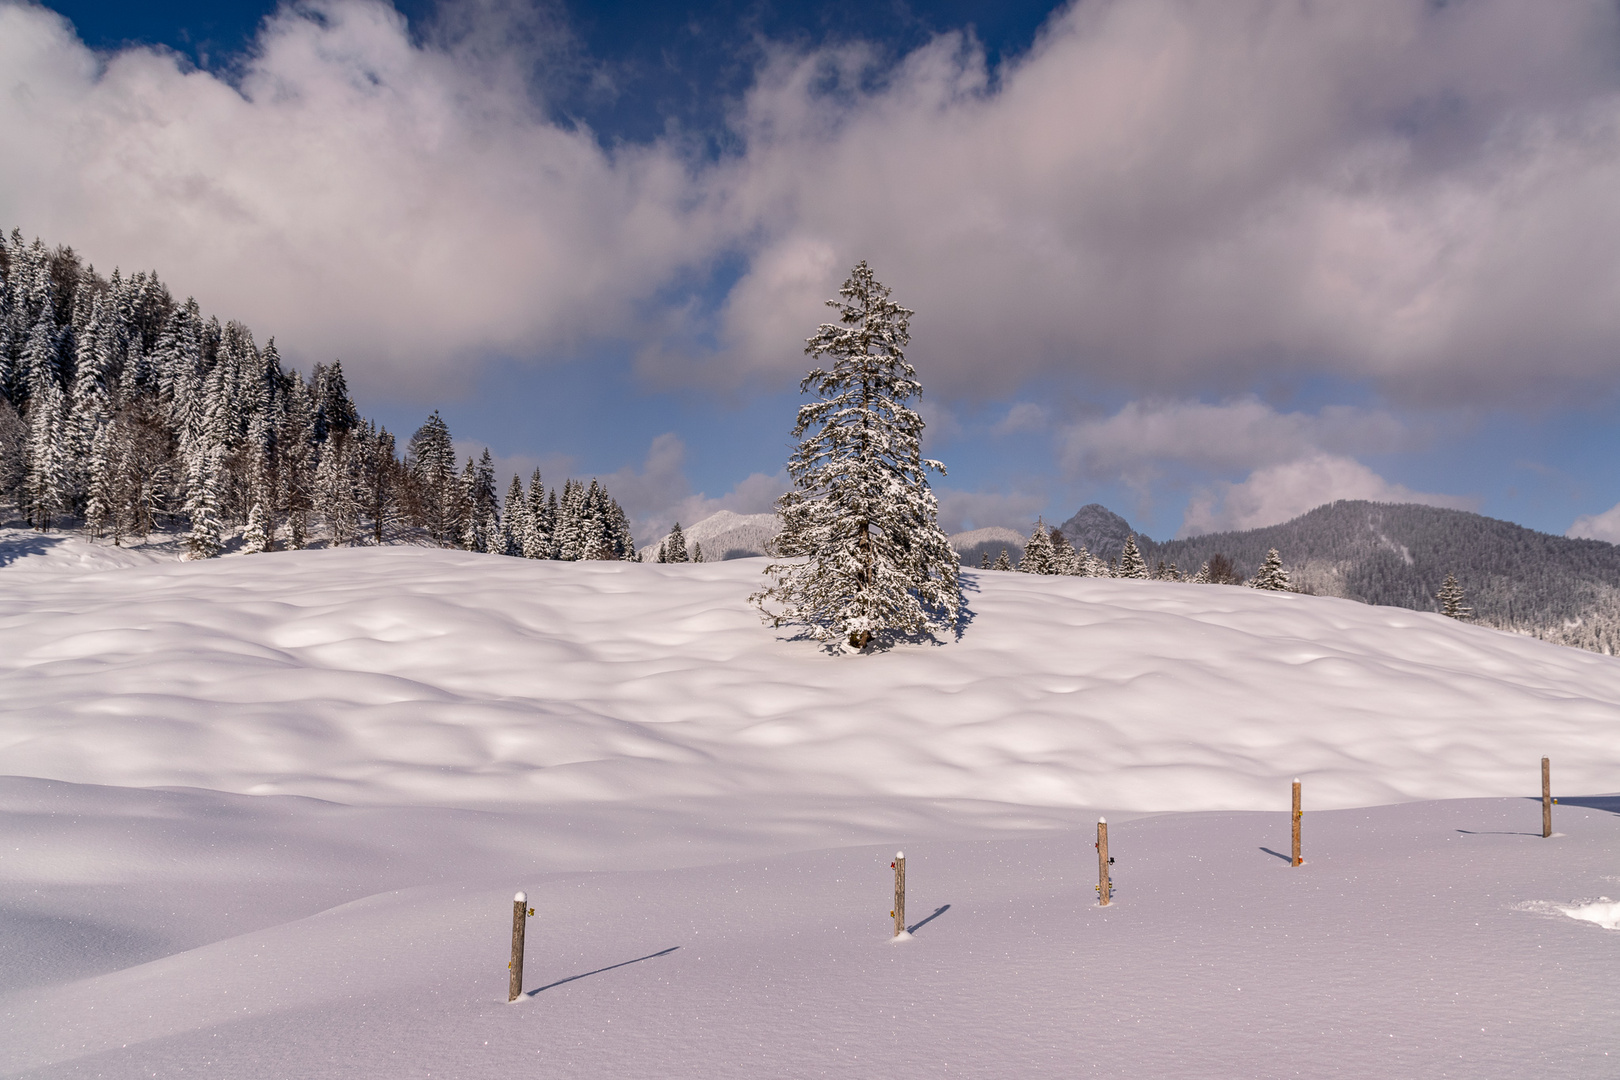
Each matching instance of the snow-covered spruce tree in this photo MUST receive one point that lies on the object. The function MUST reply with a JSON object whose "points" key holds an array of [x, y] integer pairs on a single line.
{"points": [[675, 544], [1452, 599], [984, 559], [515, 522], [256, 536], [1202, 577], [1038, 555], [1002, 562], [860, 530], [1065, 560], [697, 552], [537, 523], [1131, 563], [1271, 576], [205, 537]]}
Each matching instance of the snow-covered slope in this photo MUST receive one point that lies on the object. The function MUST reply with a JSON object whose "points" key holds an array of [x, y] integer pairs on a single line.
{"points": [[702, 811], [409, 675]]}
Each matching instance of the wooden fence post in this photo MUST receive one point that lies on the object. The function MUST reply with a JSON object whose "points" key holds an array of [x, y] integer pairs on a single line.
{"points": [[1546, 798], [1297, 860], [520, 913], [899, 911], [1105, 888]]}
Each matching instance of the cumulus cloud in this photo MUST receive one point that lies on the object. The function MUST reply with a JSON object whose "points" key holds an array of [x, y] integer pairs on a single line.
{"points": [[1604, 526], [1277, 493], [1171, 195], [356, 194], [960, 511], [658, 494], [1138, 440]]}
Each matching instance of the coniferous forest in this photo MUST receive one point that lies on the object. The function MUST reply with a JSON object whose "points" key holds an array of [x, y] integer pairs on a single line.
{"points": [[125, 412]]}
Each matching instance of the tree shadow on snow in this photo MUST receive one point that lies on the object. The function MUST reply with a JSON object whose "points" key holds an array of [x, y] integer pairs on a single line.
{"points": [[20, 547], [914, 927], [598, 971]]}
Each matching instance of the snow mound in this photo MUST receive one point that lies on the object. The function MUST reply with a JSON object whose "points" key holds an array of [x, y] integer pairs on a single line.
{"points": [[415, 676], [24, 551], [1603, 911]]}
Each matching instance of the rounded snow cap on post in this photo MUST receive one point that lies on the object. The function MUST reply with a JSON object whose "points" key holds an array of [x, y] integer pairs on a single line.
{"points": [[1296, 779], [1102, 821], [521, 898], [899, 854]]}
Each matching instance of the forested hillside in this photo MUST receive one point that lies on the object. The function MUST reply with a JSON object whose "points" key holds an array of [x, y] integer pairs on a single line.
{"points": [[1399, 554], [124, 412]]}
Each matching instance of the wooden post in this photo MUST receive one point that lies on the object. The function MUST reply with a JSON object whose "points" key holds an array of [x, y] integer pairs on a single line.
{"points": [[1297, 815], [899, 911], [520, 911], [1546, 798], [1104, 886]]}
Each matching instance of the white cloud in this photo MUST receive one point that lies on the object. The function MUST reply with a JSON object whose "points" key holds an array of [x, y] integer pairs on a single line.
{"points": [[1174, 195], [1604, 526], [1141, 437], [658, 494], [358, 195], [1277, 493], [960, 511]]}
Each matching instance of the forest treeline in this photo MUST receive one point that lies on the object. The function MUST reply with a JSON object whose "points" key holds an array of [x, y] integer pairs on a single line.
{"points": [[127, 412]]}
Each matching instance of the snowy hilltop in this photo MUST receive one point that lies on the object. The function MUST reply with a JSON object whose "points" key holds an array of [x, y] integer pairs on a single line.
{"points": [[413, 674]]}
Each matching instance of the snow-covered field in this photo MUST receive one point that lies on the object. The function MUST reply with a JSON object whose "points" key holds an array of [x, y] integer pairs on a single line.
{"points": [[266, 814]]}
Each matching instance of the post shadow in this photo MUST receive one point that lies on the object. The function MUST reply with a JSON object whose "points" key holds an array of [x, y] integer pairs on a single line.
{"points": [[598, 971], [1289, 859], [914, 927]]}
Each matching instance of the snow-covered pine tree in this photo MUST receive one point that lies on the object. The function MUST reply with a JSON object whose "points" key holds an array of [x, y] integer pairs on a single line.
{"points": [[515, 522], [1202, 577], [1452, 599], [860, 525], [537, 523], [1038, 554], [675, 543], [334, 493], [48, 456], [430, 456], [484, 507], [1002, 562], [206, 535], [1065, 560], [1131, 563], [1271, 576], [984, 559], [570, 509], [697, 552], [256, 536]]}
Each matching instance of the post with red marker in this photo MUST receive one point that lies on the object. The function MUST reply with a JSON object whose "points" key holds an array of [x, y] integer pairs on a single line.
{"points": [[520, 912], [899, 911]]}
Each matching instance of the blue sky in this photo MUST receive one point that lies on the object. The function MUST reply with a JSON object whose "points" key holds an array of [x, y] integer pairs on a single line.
{"points": [[1210, 263]]}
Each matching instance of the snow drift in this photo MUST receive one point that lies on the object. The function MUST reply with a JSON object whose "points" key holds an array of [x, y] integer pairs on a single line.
{"points": [[417, 676]]}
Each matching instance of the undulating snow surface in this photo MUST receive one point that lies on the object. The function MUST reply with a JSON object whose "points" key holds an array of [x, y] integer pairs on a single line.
{"points": [[702, 811], [410, 675]]}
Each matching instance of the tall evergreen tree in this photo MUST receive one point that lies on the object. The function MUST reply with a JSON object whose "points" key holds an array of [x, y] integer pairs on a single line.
{"points": [[539, 521], [1453, 601], [1271, 576], [860, 526], [430, 456], [1002, 562], [675, 545], [1131, 563], [515, 522], [206, 536], [1038, 555]]}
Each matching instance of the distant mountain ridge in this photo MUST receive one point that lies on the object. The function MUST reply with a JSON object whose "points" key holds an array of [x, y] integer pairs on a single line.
{"points": [[1398, 554]]}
